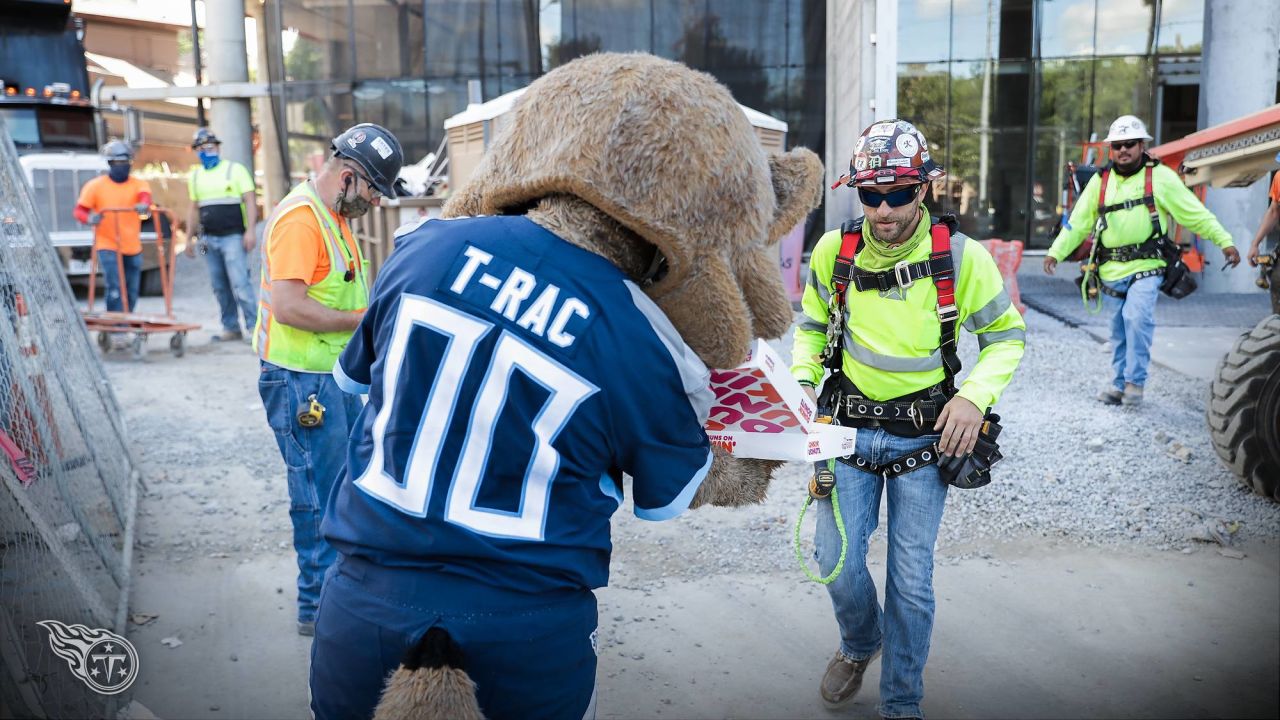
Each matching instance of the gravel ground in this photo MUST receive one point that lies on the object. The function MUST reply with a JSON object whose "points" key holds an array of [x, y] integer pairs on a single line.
{"points": [[1074, 470]]}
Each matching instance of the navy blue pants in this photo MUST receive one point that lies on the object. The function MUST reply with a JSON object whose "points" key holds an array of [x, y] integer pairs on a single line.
{"points": [[531, 656]]}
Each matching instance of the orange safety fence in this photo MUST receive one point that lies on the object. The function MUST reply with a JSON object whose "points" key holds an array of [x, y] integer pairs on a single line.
{"points": [[1008, 257]]}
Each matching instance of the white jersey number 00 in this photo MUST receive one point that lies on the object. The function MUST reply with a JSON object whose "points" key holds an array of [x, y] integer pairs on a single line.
{"points": [[464, 332]]}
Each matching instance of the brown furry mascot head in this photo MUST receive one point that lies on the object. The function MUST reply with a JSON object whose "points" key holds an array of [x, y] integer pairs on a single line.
{"points": [[668, 163], [653, 166]]}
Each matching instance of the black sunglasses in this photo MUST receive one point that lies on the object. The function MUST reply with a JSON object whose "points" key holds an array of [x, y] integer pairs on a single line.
{"points": [[895, 198], [1124, 145]]}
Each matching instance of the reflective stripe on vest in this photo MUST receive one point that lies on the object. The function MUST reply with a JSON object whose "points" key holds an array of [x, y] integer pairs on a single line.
{"points": [[291, 347], [218, 191]]}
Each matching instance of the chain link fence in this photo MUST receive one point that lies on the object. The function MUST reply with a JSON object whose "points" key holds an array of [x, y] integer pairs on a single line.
{"points": [[68, 483]]}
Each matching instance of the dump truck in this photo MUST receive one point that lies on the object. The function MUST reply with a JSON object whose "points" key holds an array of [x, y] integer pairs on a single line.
{"points": [[45, 103]]}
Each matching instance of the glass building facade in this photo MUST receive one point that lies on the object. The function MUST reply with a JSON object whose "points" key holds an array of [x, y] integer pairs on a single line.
{"points": [[1007, 90], [405, 64]]}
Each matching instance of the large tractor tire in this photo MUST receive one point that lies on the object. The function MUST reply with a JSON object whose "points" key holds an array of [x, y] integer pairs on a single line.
{"points": [[1244, 409]]}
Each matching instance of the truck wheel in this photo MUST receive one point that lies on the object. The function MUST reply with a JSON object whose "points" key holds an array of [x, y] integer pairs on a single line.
{"points": [[1244, 409], [150, 285]]}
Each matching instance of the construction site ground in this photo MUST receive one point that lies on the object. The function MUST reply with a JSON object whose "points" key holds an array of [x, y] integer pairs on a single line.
{"points": [[1079, 584]]}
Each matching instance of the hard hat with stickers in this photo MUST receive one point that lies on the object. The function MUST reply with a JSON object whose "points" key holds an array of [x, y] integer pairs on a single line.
{"points": [[890, 152]]}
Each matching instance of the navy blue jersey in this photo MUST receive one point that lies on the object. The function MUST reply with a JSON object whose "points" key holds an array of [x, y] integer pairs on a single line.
{"points": [[512, 379]]}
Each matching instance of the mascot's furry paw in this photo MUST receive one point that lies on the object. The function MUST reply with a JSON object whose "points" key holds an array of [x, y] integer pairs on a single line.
{"points": [[734, 482], [430, 684]]}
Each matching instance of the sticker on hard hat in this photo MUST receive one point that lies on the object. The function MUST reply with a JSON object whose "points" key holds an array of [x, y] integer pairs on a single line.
{"points": [[877, 145], [881, 130], [907, 145], [860, 163], [384, 150], [356, 138], [898, 162]]}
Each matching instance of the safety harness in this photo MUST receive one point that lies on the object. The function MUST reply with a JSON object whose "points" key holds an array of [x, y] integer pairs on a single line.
{"points": [[1148, 249], [842, 402], [907, 415], [1177, 281]]}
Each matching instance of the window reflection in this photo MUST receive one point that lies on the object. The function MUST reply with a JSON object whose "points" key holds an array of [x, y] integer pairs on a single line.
{"points": [[315, 41], [405, 64], [1067, 27], [1059, 71], [1121, 86], [975, 29], [924, 31], [389, 38], [614, 25], [1181, 26], [1126, 27]]}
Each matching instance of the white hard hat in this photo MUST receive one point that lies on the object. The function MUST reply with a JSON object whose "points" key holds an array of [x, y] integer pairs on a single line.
{"points": [[1127, 127]]}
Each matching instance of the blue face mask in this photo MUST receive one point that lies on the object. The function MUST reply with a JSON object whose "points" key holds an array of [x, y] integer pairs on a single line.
{"points": [[208, 159], [119, 172]]}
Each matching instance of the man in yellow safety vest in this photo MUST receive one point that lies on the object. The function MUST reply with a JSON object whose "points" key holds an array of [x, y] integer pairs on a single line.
{"points": [[225, 209], [313, 294], [882, 306]]}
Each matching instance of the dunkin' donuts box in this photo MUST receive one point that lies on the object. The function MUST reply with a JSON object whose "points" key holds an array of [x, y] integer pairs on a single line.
{"points": [[760, 411]]}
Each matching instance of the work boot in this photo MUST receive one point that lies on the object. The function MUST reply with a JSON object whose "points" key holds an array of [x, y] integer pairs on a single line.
{"points": [[228, 336], [1132, 394], [307, 629], [1111, 396], [843, 678]]}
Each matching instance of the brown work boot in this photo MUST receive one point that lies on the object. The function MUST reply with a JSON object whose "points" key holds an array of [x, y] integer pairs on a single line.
{"points": [[1132, 394], [228, 336], [1111, 396], [843, 678]]}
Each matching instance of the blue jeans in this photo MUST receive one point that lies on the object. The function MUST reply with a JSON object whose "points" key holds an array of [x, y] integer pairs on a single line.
{"points": [[1133, 325], [903, 629], [314, 458], [229, 274], [531, 656], [107, 260]]}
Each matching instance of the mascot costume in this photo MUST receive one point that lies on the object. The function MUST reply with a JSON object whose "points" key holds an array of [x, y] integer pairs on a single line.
{"points": [[618, 238]]}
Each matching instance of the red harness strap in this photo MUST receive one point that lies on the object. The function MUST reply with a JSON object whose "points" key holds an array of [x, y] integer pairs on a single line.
{"points": [[944, 282]]}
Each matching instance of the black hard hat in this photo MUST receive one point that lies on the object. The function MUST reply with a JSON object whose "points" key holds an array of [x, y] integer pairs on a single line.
{"points": [[204, 136], [117, 151], [375, 149]]}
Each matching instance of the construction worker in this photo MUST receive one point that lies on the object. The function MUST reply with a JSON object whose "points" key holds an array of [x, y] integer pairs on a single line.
{"points": [[116, 204], [222, 193], [1270, 219], [1134, 195], [313, 294], [881, 306]]}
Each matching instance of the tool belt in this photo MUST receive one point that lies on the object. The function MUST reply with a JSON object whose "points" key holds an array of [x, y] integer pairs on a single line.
{"points": [[1122, 294], [963, 471], [1149, 249], [909, 416]]}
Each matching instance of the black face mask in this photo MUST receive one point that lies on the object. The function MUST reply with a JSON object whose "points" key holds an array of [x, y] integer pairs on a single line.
{"points": [[1127, 170], [118, 172], [349, 204]]}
